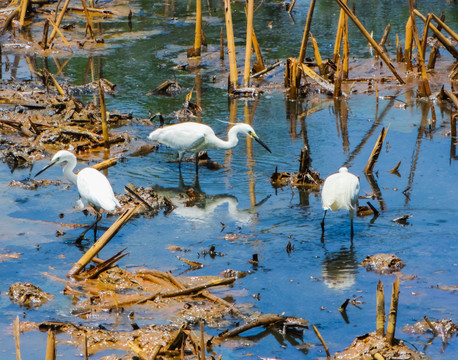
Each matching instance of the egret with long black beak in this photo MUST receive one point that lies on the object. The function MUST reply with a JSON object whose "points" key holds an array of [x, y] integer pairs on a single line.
{"points": [[191, 137], [340, 191], [94, 188]]}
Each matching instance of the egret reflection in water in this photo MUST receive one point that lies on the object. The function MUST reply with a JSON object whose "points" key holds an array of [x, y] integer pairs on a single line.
{"points": [[339, 268]]}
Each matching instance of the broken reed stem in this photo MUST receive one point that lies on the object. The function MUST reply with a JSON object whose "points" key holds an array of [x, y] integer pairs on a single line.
{"points": [[431, 326], [305, 37], [59, 20], [390, 330], [103, 112], [198, 35], [424, 88], [16, 330], [51, 346], [318, 59], [380, 310], [259, 66], [85, 347], [88, 19], [24, 5], [339, 35], [346, 48], [233, 82], [262, 320], [249, 35], [385, 35], [442, 24], [317, 333], [408, 44], [102, 241], [338, 79], [424, 39], [439, 35], [202, 340], [105, 164], [10, 18], [156, 351], [221, 45], [138, 351], [56, 84], [375, 152], [370, 39], [44, 39]]}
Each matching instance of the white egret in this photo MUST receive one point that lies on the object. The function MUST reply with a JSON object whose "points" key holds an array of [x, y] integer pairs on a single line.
{"points": [[191, 137], [94, 188], [340, 191]]}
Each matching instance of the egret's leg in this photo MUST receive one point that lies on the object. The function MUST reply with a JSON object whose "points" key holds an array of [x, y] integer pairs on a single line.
{"points": [[352, 211], [197, 164], [99, 216], [322, 221]]}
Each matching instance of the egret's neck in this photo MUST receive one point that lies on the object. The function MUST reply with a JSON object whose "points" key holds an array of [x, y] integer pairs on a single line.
{"points": [[232, 138], [68, 171]]}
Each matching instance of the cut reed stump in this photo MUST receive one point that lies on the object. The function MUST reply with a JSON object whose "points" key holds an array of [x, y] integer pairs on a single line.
{"points": [[375, 152], [195, 51]]}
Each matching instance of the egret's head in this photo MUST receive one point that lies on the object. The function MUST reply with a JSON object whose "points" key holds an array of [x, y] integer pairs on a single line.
{"points": [[60, 157], [249, 131]]}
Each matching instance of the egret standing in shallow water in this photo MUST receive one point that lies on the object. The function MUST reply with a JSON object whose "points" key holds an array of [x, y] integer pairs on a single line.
{"points": [[93, 187], [340, 191], [191, 137]]}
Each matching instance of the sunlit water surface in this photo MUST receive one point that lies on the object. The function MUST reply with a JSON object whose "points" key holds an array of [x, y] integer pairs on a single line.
{"points": [[319, 274]]}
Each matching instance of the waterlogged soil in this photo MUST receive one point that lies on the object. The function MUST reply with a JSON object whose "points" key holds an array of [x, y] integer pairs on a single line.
{"points": [[250, 216]]}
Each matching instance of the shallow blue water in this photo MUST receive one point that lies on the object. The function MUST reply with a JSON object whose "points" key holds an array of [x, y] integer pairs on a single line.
{"points": [[316, 278]]}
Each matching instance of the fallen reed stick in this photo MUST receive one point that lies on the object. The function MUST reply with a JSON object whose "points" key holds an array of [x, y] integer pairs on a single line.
{"points": [[263, 320], [16, 330], [105, 164], [156, 351], [390, 330], [431, 326], [380, 329], [10, 18], [442, 24], [249, 36], [103, 112], [450, 48], [51, 346], [233, 81], [317, 333], [58, 21], [138, 351], [101, 242], [266, 70], [325, 84], [375, 152], [370, 39], [56, 28]]}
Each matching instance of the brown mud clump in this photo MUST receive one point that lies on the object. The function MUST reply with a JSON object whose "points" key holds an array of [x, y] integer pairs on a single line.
{"points": [[383, 263], [28, 295]]}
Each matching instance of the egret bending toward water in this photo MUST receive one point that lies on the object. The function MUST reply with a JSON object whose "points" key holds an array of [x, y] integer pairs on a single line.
{"points": [[340, 191], [93, 187], [193, 137]]}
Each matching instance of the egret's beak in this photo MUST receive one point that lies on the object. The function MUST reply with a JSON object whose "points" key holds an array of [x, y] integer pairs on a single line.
{"points": [[44, 169], [254, 136]]}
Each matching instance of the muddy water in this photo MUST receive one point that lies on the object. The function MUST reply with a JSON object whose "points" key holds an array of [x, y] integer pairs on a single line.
{"points": [[244, 214]]}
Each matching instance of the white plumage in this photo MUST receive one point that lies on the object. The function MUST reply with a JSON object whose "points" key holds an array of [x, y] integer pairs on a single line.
{"points": [[340, 191], [191, 137], [94, 188]]}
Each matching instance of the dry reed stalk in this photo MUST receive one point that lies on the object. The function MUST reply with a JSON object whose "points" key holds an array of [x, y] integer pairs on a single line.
{"points": [[291, 6], [339, 35], [44, 39], [56, 84], [370, 39], [249, 36], [424, 88], [292, 78], [380, 310], [375, 152], [378, 356], [196, 50], [102, 241], [262, 320], [103, 112], [85, 347], [450, 48], [317, 78], [259, 65], [398, 50], [431, 326], [202, 340], [57, 30], [390, 330], [317, 333], [385, 35], [58, 20], [221, 45], [408, 44], [233, 81], [105, 164], [89, 24], [305, 37], [442, 24], [51, 346], [424, 38], [318, 59], [16, 330], [24, 5], [346, 48]]}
